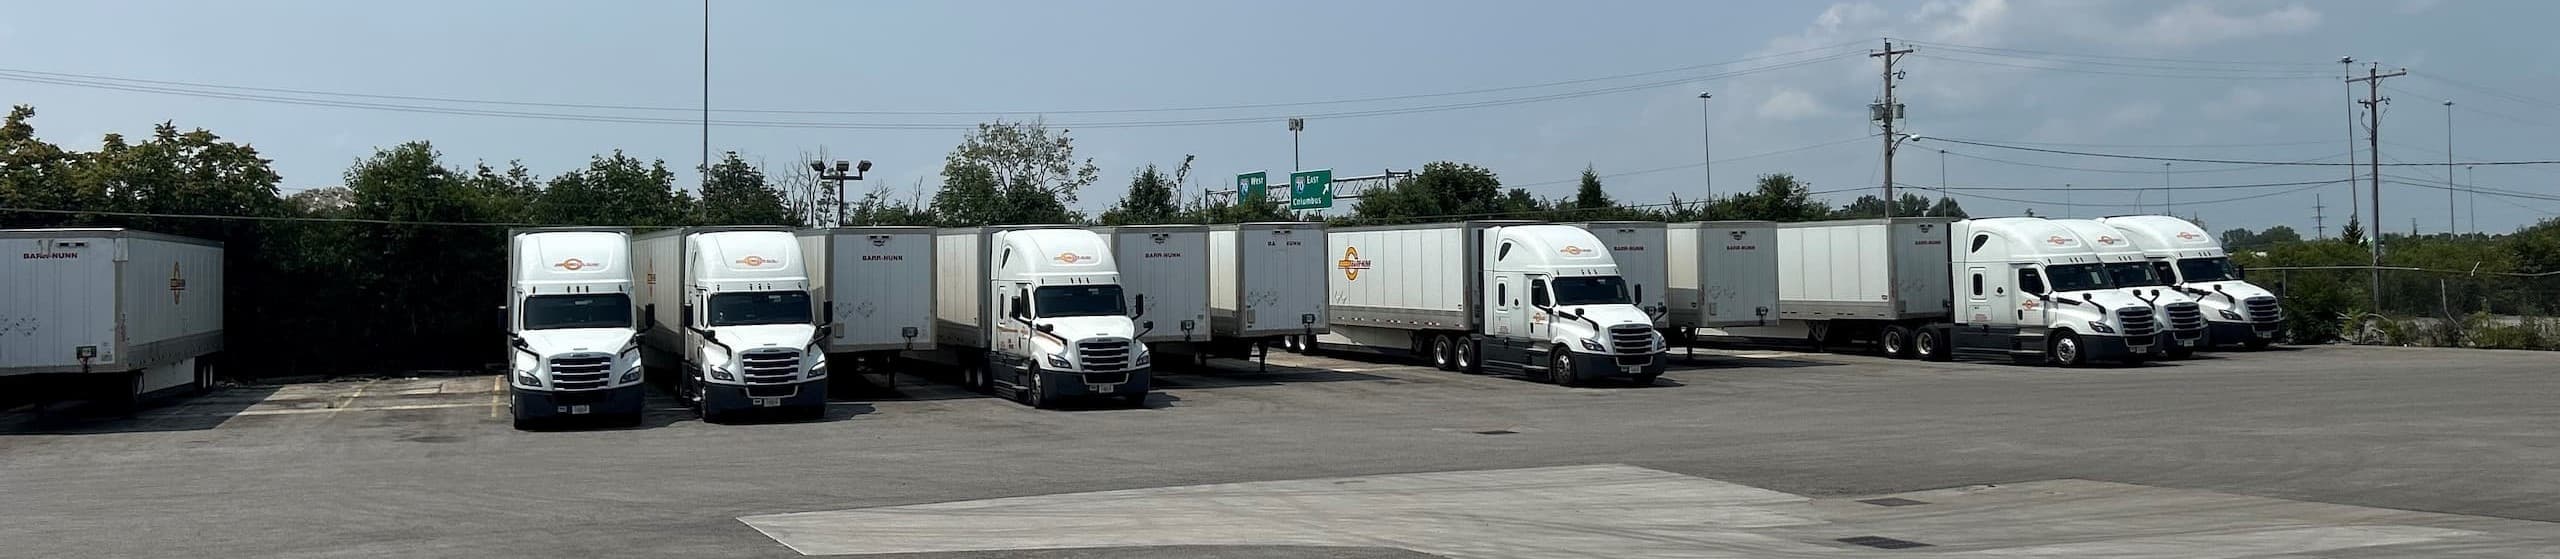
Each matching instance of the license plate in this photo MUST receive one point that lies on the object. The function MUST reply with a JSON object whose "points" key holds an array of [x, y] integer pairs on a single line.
{"points": [[1631, 369], [1103, 387], [575, 410], [768, 402], [2267, 334], [2187, 343]]}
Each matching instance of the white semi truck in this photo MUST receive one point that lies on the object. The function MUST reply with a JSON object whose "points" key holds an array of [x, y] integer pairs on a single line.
{"points": [[1036, 312], [105, 314], [2014, 287], [874, 286], [573, 332], [729, 318], [1542, 300], [2182, 325], [2193, 261], [1267, 284], [1167, 266], [1723, 274]]}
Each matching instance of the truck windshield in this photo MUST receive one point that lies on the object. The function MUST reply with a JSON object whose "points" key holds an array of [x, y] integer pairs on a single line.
{"points": [[765, 307], [2133, 274], [1078, 300], [1591, 290], [2206, 269], [602, 310], [2077, 277]]}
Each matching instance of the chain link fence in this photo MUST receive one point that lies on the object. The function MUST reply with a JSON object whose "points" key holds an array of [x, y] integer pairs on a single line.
{"points": [[2418, 306]]}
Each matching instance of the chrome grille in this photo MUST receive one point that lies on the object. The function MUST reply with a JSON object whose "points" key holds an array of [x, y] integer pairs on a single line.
{"points": [[1627, 339], [2262, 309], [1104, 355], [769, 366], [2137, 321], [2185, 316], [581, 371]]}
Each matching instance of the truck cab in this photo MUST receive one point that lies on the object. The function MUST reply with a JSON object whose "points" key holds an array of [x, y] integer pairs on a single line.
{"points": [[2193, 262], [2030, 286], [2181, 319], [1554, 300], [743, 328], [572, 336], [1060, 327]]}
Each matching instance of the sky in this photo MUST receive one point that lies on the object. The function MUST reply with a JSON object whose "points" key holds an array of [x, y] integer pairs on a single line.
{"points": [[1535, 91]]}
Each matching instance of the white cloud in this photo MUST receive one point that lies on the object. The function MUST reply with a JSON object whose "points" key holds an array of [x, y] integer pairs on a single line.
{"points": [[1788, 103], [2198, 23], [1974, 22]]}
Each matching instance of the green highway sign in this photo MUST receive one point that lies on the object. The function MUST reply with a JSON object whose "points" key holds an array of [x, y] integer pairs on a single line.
{"points": [[1309, 190], [1251, 187]]}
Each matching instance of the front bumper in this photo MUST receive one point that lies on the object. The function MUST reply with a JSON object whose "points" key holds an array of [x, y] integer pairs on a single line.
{"points": [[1591, 366], [812, 393], [546, 404], [2115, 348], [2192, 338], [2237, 332], [1071, 384]]}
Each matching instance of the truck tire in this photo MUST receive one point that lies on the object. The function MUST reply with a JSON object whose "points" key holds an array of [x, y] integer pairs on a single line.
{"points": [[973, 376], [1035, 392], [2066, 350], [1560, 368], [1444, 352], [1467, 354], [1895, 341], [1928, 343]]}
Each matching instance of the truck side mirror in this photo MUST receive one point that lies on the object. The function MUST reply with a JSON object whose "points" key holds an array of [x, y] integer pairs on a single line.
{"points": [[708, 335], [1045, 327], [1142, 306], [518, 342]]}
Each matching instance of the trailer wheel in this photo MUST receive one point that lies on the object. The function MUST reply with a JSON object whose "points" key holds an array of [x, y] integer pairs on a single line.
{"points": [[1927, 341], [1444, 353], [1896, 341], [2066, 350], [204, 375], [1561, 368], [973, 376]]}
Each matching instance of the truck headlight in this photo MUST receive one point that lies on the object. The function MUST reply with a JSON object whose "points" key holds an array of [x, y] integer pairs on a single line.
{"points": [[632, 376], [819, 370], [2101, 327], [527, 380], [1144, 359], [2228, 315], [1059, 361], [721, 373], [1592, 345]]}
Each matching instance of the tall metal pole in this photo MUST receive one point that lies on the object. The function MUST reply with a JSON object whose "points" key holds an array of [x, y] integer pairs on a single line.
{"points": [[1296, 125], [1706, 155], [2450, 225], [1942, 185], [2169, 199], [2373, 103], [2346, 69], [2471, 182], [706, 93], [1888, 111]]}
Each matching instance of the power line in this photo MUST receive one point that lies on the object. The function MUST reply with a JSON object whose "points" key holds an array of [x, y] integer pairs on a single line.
{"points": [[2229, 161], [2118, 204], [2077, 188], [2069, 55], [2077, 70], [2120, 171], [2198, 146], [1693, 165]]}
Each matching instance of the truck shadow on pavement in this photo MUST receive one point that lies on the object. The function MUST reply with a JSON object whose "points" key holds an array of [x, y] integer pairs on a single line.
{"points": [[184, 413], [1235, 374]]}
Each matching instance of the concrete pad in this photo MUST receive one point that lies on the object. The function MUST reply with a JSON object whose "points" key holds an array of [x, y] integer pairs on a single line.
{"points": [[1627, 511]]}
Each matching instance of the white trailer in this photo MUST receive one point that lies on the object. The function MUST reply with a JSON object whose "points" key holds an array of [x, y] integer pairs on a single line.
{"points": [[573, 337], [108, 314], [1267, 283], [1541, 300], [1164, 271], [874, 287], [728, 316], [1035, 312], [1643, 252], [1723, 274]]}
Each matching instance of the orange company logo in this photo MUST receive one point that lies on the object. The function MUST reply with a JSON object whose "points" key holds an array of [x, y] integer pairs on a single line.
{"points": [[572, 264], [1071, 258], [1351, 263], [2107, 240], [753, 261], [177, 284], [2188, 235], [2057, 240], [2030, 305], [1570, 250]]}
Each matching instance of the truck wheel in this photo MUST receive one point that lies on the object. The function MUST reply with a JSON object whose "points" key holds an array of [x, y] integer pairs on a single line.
{"points": [[1561, 369], [1444, 353], [2066, 350], [1926, 341], [1036, 394], [1467, 358], [1896, 342], [974, 377]]}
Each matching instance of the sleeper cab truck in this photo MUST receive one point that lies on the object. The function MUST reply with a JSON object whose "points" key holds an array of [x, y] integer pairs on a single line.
{"points": [[1267, 286], [1541, 300], [729, 316], [573, 331], [2193, 261], [1035, 313], [2182, 324], [1722, 274], [116, 316], [2019, 288], [874, 287], [1164, 271]]}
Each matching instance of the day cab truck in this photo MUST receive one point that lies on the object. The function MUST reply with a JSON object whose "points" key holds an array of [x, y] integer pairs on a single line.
{"points": [[874, 286], [1166, 267], [573, 333], [1722, 274], [1541, 300], [2193, 262], [116, 316], [2018, 288], [730, 320], [2182, 325], [1036, 313], [1267, 286]]}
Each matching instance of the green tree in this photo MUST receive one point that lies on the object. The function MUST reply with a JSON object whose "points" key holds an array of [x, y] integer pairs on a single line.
{"points": [[411, 273], [1588, 195], [735, 193], [1870, 206], [1444, 190], [1776, 197], [615, 190], [35, 174], [2353, 233], [1151, 198], [1010, 173], [1947, 207]]}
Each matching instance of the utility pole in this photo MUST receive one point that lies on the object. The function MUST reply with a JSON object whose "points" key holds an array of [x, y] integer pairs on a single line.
{"points": [[706, 93], [2168, 201], [2450, 203], [1942, 184], [1887, 112], [2373, 102], [2319, 223], [2471, 182], [1706, 156], [2347, 71]]}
